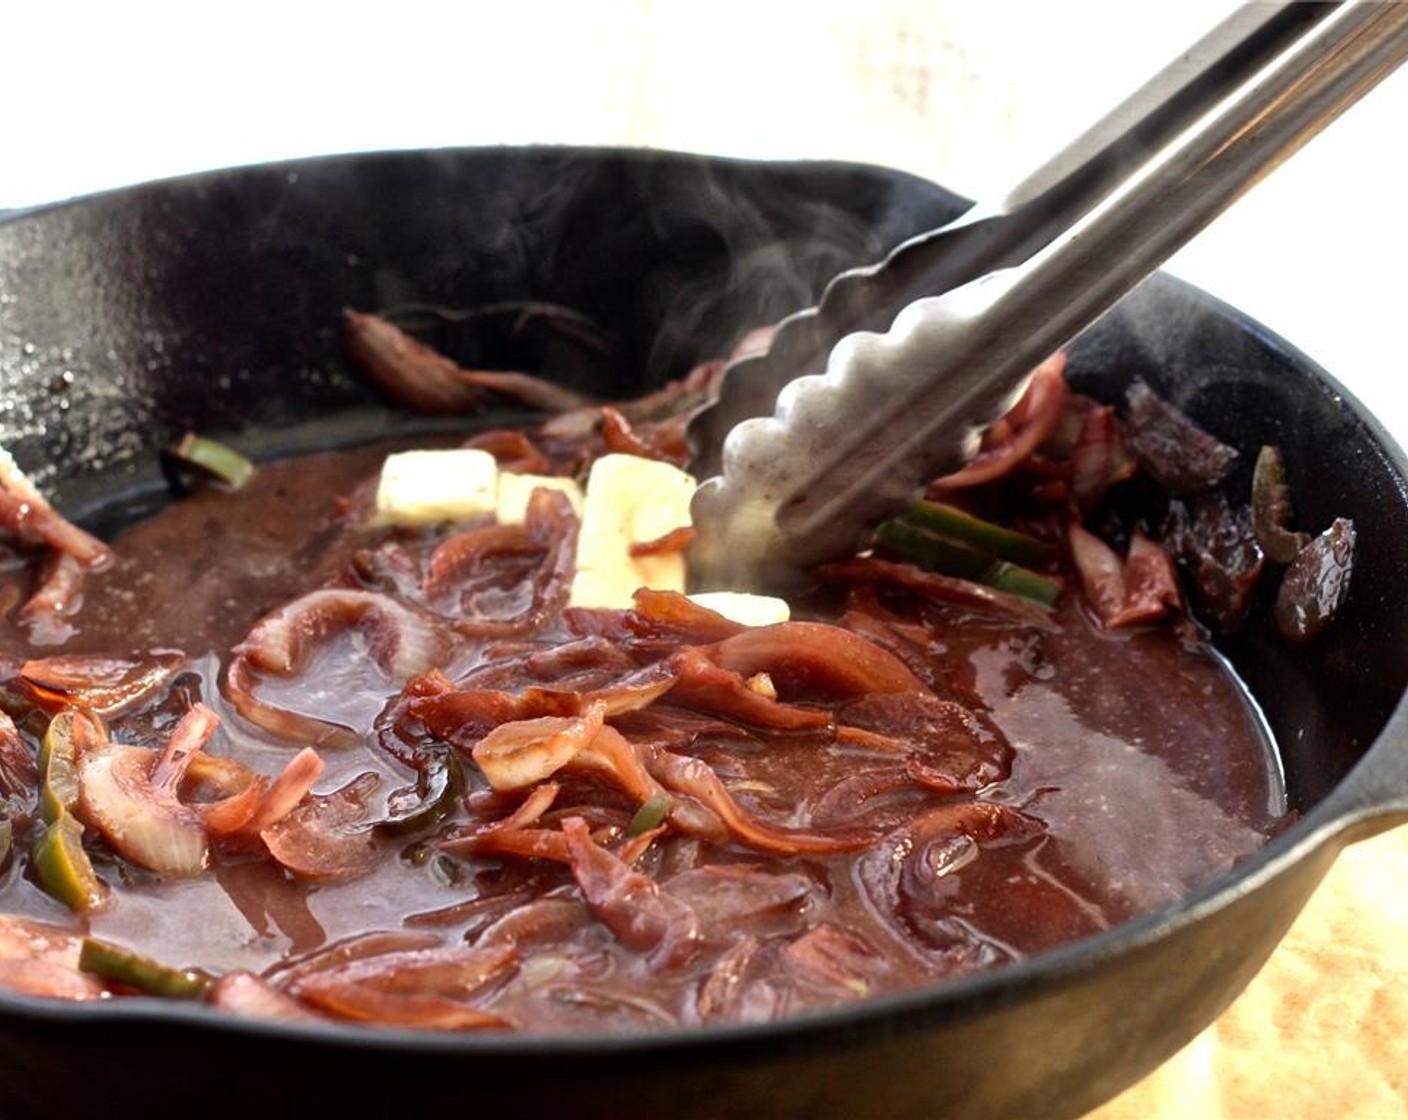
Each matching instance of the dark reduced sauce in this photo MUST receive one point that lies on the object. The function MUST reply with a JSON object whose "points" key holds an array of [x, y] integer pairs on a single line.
{"points": [[1068, 779]]}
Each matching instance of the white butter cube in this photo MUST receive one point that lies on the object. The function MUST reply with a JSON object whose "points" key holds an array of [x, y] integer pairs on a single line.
{"points": [[745, 607], [629, 500], [516, 489], [423, 487]]}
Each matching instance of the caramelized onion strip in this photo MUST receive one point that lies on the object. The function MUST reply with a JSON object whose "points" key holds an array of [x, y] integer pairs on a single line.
{"points": [[693, 777]]}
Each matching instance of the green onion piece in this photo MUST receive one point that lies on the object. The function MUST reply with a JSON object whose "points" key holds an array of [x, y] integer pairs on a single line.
{"points": [[1003, 543], [650, 815], [7, 835], [1017, 580], [930, 551], [215, 459], [63, 868], [936, 553], [58, 771], [122, 966]]}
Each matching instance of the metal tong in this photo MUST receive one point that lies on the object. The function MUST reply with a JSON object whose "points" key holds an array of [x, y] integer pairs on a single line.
{"points": [[983, 300]]}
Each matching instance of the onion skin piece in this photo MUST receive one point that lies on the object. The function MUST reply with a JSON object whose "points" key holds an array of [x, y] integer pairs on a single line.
{"points": [[39, 959], [420, 988], [26, 512], [58, 597], [430, 1013], [706, 687], [407, 370], [1271, 509], [1316, 583], [45, 978], [640, 915], [696, 779], [1174, 450], [19, 773], [1014, 436], [421, 378], [1140, 588], [243, 789]]}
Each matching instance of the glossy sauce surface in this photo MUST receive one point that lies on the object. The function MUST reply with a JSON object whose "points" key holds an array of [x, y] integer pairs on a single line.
{"points": [[1111, 774]]}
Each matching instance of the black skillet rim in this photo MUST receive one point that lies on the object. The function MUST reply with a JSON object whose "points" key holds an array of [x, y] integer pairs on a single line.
{"points": [[1355, 806]]}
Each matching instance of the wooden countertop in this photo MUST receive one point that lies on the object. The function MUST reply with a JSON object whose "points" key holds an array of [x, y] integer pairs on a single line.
{"points": [[1322, 1031]]}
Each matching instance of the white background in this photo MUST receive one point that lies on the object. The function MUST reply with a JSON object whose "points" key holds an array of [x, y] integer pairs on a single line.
{"points": [[970, 94]]}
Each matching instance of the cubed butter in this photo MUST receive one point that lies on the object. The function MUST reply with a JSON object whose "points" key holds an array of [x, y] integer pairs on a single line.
{"points": [[745, 607], [516, 489], [629, 500], [423, 487]]}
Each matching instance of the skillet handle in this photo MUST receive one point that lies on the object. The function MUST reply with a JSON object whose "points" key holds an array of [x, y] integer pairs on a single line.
{"points": [[1373, 798]]}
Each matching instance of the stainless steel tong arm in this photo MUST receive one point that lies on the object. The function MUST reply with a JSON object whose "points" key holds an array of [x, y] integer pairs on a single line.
{"points": [[850, 446], [1006, 233]]}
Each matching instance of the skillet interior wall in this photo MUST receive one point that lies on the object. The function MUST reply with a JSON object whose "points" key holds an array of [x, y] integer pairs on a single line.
{"points": [[1326, 701], [212, 303]]}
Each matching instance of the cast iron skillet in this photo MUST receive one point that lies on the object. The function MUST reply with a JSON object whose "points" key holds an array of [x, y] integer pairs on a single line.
{"points": [[213, 303]]}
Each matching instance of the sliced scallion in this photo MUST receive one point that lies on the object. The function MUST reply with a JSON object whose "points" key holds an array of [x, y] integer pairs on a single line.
{"points": [[63, 868], [122, 966], [213, 459], [959, 525], [1017, 580], [937, 553], [650, 815], [58, 773], [931, 551]]}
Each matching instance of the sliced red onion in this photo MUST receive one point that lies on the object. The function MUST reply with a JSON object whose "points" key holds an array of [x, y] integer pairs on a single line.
{"points": [[286, 791], [327, 837], [59, 595], [1015, 436], [242, 993], [631, 905], [694, 777], [401, 642], [944, 590], [422, 988], [28, 514], [19, 773], [143, 822], [521, 754], [105, 686], [705, 686], [813, 660]]}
